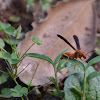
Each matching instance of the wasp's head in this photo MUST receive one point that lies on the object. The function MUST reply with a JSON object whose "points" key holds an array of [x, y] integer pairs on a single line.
{"points": [[82, 54]]}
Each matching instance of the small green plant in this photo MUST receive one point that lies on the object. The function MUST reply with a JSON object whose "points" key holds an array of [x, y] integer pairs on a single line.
{"points": [[97, 50], [82, 84], [29, 4], [14, 18], [78, 85], [45, 3], [13, 61]]}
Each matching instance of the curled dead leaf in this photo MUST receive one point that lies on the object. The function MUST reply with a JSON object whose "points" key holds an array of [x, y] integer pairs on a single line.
{"points": [[68, 18]]}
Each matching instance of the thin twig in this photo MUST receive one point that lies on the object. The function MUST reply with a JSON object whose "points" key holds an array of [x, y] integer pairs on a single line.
{"points": [[23, 69], [33, 76]]}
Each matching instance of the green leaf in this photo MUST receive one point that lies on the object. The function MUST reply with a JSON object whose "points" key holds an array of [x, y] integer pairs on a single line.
{"points": [[62, 64], [17, 32], [14, 90], [7, 25], [15, 48], [36, 40], [19, 91], [45, 4], [3, 78], [13, 41], [75, 63], [93, 75], [6, 93], [18, 87], [92, 88], [24, 90], [14, 18], [6, 55], [39, 56], [2, 25], [65, 0], [29, 83], [71, 69], [52, 80], [2, 44], [57, 94], [37, 91], [1, 54], [93, 61], [77, 90], [1, 29], [13, 61], [59, 56], [16, 94], [72, 80], [30, 2], [9, 30], [13, 56], [45, 7], [97, 51]]}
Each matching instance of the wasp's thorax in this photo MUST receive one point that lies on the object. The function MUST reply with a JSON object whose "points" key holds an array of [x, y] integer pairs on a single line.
{"points": [[80, 53]]}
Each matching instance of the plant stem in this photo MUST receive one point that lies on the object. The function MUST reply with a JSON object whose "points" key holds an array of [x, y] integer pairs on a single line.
{"points": [[3, 49], [22, 57], [3, 72], [15, 81], [32, 78], [84, 88], [26, 97], [27, 50], [22, 70], [56, 79], [22, 98], [9, 41]]}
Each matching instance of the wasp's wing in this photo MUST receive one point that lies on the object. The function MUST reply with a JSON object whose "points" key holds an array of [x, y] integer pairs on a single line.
{"points": [[77, 42], [65, 41]]}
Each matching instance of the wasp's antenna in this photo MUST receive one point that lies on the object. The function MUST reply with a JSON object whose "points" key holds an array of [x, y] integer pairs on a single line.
{"points": [[88, 55], [90, 51]]}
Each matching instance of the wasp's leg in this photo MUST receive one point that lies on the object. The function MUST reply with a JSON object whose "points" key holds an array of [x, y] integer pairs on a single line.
{"points": [[62, 70], [83, 60], [74, 66], [65, 55], [78, 60], [62, 57]]}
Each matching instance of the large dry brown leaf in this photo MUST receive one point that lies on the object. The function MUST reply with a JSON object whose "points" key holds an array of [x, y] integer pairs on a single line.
{"points": [[67, 19]]}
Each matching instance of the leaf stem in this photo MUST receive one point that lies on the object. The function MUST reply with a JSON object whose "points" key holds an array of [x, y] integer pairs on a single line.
{"points": [[27, 50], [56, 79], [3, 72], [3, 49], [26, 97], [9, 41], [22, 98], [22, 57], [32, 77], [84, 88]]}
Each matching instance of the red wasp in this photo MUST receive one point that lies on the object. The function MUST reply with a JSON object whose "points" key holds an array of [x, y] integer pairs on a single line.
{"points": [[78, 54]]}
